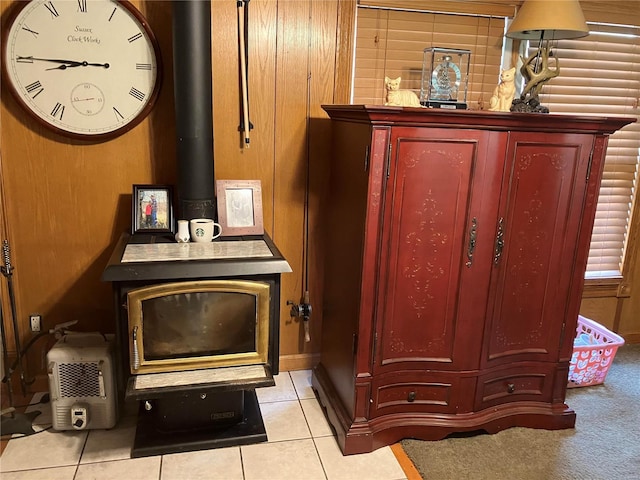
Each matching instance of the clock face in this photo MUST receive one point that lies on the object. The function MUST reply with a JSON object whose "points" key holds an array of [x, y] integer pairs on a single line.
{"points": [[445, 80], [87, 69]]}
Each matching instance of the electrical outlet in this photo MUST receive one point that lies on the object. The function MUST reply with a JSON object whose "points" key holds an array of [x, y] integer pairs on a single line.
{"points": [[36, 322]]}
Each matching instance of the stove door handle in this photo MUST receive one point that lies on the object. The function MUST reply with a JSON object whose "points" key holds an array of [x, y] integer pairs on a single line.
{"points": [[136, 355]]}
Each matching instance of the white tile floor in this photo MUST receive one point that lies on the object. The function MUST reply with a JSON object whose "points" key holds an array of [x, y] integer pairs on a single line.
{"points": [[300, 446]]}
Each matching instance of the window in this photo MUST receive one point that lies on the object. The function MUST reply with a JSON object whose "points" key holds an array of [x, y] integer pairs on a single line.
{"points": [[391, 42], [600, 75]]}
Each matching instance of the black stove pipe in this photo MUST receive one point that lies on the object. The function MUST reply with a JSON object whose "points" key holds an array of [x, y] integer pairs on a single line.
{"points": [[192, 79]]}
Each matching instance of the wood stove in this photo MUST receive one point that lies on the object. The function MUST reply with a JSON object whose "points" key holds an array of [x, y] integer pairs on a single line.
{"points": [[197, 328], [197, 325]]}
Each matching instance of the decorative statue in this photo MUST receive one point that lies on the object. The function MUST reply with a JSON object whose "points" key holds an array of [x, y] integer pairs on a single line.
{"points": [[536, 72], [395, 96], [537, 77], [504, 92]]}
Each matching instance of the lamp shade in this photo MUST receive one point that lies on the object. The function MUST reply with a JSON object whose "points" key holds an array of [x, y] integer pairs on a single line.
{"points": [[556, 19]]}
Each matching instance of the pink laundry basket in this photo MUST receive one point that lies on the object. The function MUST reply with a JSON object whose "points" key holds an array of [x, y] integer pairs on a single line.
{"points": [[594, 348]]}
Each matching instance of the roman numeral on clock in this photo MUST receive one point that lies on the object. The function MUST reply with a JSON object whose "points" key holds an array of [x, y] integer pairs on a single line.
{"points": [[58, 110], [52, 9], [82, 6], [137, 94], [119, 116], [27, 29], [135, 37], [143, 66], [35, 87]]}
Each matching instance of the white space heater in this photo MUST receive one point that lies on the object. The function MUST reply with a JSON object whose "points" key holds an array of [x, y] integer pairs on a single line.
{"points": [[82, 382]]}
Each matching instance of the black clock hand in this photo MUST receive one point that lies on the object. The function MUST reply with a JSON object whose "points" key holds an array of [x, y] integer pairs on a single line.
{"points": [[80, 64], [89, 64], [64, 67]]}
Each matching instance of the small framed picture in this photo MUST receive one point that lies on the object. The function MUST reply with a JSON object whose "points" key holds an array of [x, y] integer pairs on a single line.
{"points": [[240, 207], [152, 209]]}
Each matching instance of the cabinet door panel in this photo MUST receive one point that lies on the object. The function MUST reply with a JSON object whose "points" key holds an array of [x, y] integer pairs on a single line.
{"points": [[432, 203], [543, 196]]}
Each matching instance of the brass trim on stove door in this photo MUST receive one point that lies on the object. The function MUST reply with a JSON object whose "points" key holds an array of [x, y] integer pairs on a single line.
{"points": [[135, 298]]}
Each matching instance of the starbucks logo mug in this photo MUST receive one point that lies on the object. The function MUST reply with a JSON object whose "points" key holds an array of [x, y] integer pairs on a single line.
{"points": [[204, 230]]}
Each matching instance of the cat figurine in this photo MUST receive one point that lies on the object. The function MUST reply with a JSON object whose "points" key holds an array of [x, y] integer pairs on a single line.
{"points": [[504, 92], [397, 97]]}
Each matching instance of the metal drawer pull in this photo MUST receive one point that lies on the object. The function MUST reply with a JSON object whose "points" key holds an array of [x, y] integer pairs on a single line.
{"points": [[499, 241], [411, 397], [472, 241]]}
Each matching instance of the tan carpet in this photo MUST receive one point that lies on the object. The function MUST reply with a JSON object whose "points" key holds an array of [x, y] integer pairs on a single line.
{"points": [[605, 445]]}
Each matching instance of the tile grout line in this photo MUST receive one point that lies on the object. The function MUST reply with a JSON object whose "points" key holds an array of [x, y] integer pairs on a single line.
{"points": [[242, 462], [324, 470], [84, 445], [313, 438], [160, 469]]}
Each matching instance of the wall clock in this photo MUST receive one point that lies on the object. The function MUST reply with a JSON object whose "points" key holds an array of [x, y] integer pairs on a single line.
{"points": [[86, 69]]}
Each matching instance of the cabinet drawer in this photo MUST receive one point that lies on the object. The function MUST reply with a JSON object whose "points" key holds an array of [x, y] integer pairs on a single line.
{"points": [[515, 384], [417, 392]]}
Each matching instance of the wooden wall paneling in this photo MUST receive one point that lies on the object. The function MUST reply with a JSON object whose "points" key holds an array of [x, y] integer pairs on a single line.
{"points": [[5, 305], [346, 31], [628, 318], [291, 145], [232, 160], [161, 133], [67, 202], [629, 322], [602, 310], [64, 211], [5, 234], [324, 30], [226, 91]]}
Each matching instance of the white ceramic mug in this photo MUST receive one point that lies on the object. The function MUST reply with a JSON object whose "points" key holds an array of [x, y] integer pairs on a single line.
{"points": [[204, 230]]}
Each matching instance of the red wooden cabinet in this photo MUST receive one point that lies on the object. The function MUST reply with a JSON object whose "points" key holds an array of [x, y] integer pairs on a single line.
{"points": [[458, 247]]}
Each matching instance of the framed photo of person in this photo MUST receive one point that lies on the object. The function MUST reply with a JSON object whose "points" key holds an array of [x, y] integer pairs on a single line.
{"points": [[152, 209], [240, 207]]}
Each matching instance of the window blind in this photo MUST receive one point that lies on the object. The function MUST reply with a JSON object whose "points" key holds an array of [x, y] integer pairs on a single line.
{"points": [[600, 75], [391, 43]]}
